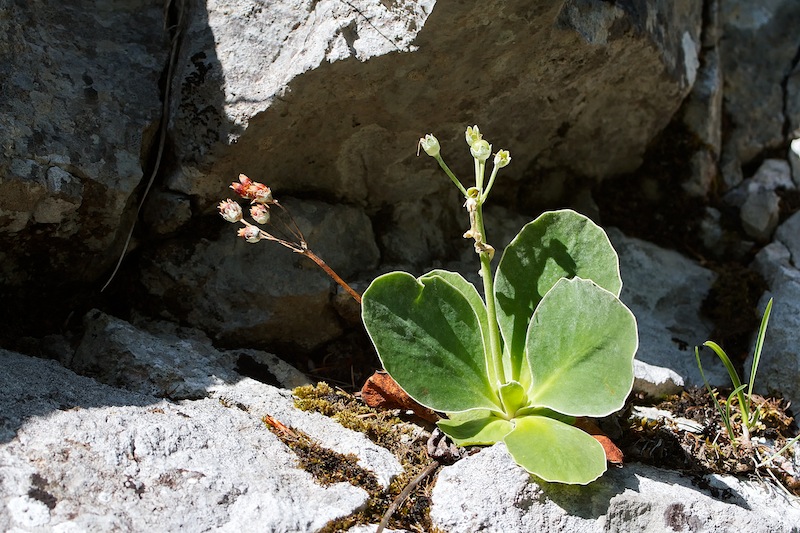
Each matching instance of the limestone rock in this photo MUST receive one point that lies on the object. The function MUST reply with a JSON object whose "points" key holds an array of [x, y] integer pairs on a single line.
{"points": [[665, 292], [175, 364], [629, 499], [788, 234], [779, 370], [794, 159], [179, 363], [702, 111], [654, 381], [332, 97], [754, 98], [79, 108], [757, 200], [760, 213], [78, 455]]}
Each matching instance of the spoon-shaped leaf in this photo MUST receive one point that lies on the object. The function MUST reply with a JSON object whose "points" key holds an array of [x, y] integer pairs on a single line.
{"points": [[555, 451], [580, 348], [558, 244], [428, 338]]}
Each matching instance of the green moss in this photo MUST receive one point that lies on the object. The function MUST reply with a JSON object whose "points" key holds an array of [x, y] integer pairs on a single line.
{"points": [[386, 429], [327, 467]]}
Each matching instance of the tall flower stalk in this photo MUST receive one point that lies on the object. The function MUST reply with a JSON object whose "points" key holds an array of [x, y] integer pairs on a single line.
{"points": [[283, 228], [474, 198]]}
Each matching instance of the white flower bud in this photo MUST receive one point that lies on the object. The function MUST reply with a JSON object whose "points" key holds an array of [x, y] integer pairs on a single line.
{"points": [[230, 211], [502, 158], [430, 144], [473, 135], [481, 150]]}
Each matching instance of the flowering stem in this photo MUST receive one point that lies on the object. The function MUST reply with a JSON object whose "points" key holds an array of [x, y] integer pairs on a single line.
{"points": [[450, 174], [485, 256], [488, 188], [329, 271]]}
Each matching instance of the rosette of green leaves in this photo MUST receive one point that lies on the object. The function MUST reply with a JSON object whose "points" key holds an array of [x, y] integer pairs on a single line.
{"points": [[568, 346]]}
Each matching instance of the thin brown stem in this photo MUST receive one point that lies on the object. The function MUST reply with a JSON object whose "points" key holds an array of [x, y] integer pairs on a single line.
{"points": [[329, 271], [430, 469]]}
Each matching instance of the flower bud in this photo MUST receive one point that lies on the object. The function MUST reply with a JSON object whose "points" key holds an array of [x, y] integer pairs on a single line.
{"points": [[261, 193], [230, 211], [502, 158], [250, 233], [473, 135], [481, 150], [430, 144], [242, 187], [260, 213]]}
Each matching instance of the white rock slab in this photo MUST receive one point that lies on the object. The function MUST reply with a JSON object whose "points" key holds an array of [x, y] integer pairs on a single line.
{"points": [[76, 455], [488, 492]]}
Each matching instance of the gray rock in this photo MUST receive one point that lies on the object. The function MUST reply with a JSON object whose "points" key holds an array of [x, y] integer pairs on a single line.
{"points": [[702, 110], [760, 214], [79, 108], [267, 106], [665, 292], [757, 200], [262, 293], [757, 51], [76, 455], [779, 370], [166, 212], [794, 160], [177, 364], [630, 499], [793, 100], [711, 231], [654, 381], [772, 175], [788, 234]]}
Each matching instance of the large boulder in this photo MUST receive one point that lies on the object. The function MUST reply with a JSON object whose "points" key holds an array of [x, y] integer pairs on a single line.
{"points": [[80, 108], [331, 97]]}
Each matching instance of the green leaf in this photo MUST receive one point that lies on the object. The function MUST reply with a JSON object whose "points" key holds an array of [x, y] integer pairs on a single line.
{"points": [[470, 293], [762, 331], [558, 244], [513, 397], [555, 451], [428, 338], [474, 428], [580, 348]]}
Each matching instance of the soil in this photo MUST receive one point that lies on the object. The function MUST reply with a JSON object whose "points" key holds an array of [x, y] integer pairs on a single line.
{"points": [[666, 444]]}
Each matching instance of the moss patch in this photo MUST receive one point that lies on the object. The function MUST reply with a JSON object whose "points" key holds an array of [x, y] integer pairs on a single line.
{"points": [[407, 441], [327, 467]]}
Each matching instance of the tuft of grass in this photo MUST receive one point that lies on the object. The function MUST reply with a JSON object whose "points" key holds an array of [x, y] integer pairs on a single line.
{"points": [[749, 413]]}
